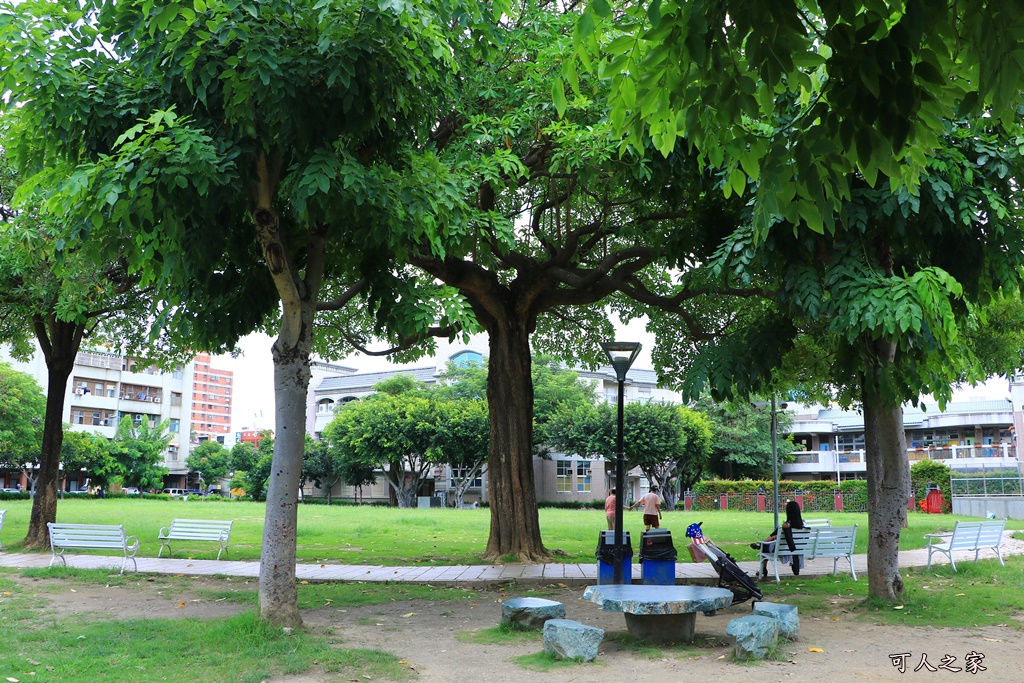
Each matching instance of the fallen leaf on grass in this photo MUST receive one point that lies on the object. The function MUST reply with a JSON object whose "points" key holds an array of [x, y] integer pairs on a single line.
{"points": [[73, 590], [12, 679], [7, 592], [835, 618], [180, 604], [410, 614], [898, 607], [814, 649], [960, 595]]}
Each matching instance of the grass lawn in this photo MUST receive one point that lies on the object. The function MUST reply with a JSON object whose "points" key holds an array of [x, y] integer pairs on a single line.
{"points": [[391, 536]]}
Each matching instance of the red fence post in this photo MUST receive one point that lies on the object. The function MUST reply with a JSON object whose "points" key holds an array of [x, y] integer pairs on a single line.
{"points": [[839, 501], [761, 498], [724, 502]]}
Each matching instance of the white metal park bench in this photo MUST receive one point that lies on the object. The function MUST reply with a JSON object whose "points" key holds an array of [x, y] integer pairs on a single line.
{"points": [[809, 523], [835, 542], [813, 542], [976, 536], [2, 513], [92, 537], [803, 540], [215, 530]]}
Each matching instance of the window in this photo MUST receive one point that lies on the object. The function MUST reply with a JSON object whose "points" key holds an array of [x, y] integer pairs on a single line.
{"points": [[850, 442], [175, 398], [175, 426], [459, 473], [325, 406], [563, 476], [78, 417], [583, 476], [611, 395], [467, 358], [96, 419]]}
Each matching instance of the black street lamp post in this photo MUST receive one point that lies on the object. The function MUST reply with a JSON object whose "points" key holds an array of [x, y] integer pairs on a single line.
{"points": [[621, 356]]}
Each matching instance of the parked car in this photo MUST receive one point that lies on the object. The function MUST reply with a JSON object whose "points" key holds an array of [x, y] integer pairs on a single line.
{"points": [[130, 491], [9, 490], [175, 493]]}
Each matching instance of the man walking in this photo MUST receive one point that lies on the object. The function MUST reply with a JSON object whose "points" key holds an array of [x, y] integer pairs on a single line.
{"points": [[652, 508]]}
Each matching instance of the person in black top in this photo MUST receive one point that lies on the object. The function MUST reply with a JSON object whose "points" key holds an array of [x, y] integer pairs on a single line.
{"points": [[794, 520]]}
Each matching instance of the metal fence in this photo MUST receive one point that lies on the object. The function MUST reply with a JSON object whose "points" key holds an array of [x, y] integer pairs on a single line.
{"points": [[754, 502], [986, 486]]}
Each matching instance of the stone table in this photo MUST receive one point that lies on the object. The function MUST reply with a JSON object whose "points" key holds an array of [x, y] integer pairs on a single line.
{"points": [[659, 613]]}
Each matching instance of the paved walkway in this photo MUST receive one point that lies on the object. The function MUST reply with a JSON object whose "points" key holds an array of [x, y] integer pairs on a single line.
{"points": [[473, 575]]}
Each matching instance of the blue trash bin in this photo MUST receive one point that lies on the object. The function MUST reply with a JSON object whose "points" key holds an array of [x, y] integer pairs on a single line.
{"points": [[657, 558], [606, 558]]}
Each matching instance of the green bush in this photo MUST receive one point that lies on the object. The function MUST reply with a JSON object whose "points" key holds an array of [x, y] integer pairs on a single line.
{"points": [[571, 504], [925, 473], [817, 495]]}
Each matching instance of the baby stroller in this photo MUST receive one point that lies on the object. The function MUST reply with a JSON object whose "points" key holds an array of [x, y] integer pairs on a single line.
{"points": [[730, 576]]}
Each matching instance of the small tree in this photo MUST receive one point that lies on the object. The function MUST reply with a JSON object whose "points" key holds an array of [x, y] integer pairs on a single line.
{"points": [[393, 432], [322, 466], [656, 438], [89, 452], [211, 460], [138, 450], [22, 408], [742, 446], [462, 440]]}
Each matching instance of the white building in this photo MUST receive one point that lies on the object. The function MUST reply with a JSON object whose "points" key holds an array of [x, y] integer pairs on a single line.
{"points": [[104, 387]]}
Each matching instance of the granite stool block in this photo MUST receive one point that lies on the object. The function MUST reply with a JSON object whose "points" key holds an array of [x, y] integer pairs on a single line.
{"points": [[570, 639], [755, 635], [789, 620], [530, 613]]}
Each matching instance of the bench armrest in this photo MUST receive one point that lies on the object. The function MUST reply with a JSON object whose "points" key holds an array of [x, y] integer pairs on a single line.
{"points": [[164, 532], [945, 535], [131, 543]]}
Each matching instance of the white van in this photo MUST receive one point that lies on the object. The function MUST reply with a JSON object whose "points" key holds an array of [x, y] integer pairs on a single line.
{"points": [[175, 493]]}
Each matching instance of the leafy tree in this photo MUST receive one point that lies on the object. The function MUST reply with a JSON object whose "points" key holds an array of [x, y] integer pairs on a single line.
{"points": [[89, 452], [461, 436], [656, 438], [22, 408], [211, 460], [243, 454], [742, 447], [800, 98], [561, 223], [323, 466], [879, 312], [138, 449], [394, 432], [58, 298], [294, 146]]}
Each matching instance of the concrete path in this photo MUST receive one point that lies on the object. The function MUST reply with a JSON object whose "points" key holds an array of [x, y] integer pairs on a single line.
{"points": [[475, 575]]}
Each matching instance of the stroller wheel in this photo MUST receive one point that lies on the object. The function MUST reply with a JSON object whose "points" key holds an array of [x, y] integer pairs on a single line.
{"points": [[710, 612]]}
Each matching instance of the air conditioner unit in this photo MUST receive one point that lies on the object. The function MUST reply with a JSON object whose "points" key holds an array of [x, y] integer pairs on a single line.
{"points": [[157, 400]]}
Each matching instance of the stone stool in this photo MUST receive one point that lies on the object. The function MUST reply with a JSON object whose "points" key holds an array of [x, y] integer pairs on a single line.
{"points": [[570, 639], [755, 635], [789, 621], [530, 613]]}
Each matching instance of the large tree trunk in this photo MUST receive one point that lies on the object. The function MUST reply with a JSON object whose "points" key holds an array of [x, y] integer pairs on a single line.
{"points": [[888, 480], [515, 524], [59, 342]]}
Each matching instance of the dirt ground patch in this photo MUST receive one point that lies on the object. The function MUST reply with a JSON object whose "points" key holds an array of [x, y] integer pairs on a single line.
{"points": [[426, 635]]}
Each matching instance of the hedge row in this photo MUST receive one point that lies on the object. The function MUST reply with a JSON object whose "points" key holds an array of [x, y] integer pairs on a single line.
{"points": [[818, 496]]}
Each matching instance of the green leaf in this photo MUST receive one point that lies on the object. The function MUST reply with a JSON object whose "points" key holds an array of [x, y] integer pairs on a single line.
{"points": [[558, 96]]}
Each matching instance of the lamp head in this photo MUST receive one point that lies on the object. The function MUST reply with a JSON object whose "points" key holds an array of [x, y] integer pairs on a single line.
{"points": [[621, 356]]}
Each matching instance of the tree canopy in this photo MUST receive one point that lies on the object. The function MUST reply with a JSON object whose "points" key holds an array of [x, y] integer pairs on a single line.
{"points": [[22, 408]]}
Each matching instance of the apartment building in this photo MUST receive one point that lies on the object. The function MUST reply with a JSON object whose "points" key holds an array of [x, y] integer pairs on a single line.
{"points": [[211, 400], [105, 387]]}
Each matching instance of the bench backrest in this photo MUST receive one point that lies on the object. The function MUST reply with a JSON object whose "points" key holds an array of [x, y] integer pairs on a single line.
{"points": [[803, 541], [812, 523], [834, 541], [201, 529], [972, 535], [2, 513], [86, 536]]}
